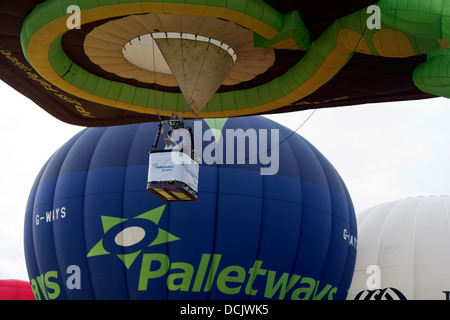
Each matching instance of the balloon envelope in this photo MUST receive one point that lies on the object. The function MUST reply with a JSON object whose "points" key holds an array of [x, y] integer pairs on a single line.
{"points": [[15, 290], [290, 55], [93, 231], [404, 245]]}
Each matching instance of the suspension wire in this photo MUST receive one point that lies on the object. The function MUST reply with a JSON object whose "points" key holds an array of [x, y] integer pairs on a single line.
{"points": [[154, 78], [154, 64], [204, 58], [314, 111], [182, 63]]}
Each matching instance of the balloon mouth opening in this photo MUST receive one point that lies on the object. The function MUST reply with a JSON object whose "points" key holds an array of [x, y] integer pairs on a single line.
{"points": [[143, 51], [199, 64]]}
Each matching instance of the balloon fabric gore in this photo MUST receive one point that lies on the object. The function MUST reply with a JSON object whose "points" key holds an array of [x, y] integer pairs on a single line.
{"points": [[93, 231]]}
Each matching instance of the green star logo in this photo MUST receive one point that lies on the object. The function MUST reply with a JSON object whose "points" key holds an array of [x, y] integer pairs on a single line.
{"points": [[216, 126], [126, 238]]}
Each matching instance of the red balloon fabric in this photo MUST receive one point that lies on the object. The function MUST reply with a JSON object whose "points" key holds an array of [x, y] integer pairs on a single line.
{"points": [[15, 290]]}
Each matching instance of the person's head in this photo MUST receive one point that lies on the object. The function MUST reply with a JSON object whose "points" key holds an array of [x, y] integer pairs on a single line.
{"points": [[175, 122]]}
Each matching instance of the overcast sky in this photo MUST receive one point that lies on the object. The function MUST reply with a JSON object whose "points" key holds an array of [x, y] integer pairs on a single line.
{"points": [[383, 152]]}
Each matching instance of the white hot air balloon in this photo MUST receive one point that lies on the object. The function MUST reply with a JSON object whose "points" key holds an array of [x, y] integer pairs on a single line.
{"points": [[404, 250]]}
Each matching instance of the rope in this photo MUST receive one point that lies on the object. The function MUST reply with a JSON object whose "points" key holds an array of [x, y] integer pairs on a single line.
{"points": [[309, 117]]}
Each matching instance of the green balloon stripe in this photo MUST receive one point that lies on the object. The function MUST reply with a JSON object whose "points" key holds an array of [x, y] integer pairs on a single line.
{"points": [[83, 80], [422, 25]]}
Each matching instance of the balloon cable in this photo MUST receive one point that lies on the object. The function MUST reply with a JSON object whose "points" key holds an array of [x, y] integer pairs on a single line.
{"points": [[313, 112]]}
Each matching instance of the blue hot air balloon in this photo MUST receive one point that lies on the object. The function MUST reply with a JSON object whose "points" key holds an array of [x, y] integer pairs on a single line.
{"points": [[273, 219]]}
